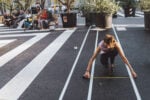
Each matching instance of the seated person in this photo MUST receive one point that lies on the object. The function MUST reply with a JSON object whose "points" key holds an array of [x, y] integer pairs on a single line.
{"points": [[36, 17], [28, 19], [42, 20], [19, 18], [7, 19]]}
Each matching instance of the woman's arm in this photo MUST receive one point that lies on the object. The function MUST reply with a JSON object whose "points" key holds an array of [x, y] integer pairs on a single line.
{"points": [[92, 58], [87, 72], [125, 60]]}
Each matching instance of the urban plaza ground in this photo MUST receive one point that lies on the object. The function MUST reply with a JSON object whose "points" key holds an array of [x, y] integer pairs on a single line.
{"points": [[48, 65]]}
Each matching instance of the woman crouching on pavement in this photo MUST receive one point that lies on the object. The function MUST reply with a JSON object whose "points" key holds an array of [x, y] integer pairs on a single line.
{"points": [[108, 49]]}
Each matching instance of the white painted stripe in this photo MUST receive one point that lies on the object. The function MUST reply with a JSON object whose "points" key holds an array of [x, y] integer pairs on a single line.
{"points": [[1, 28], [123, 18], [121, 14], [121, 28], [3, 32], [138, 96], [16, 86], [140, 12], [73, 67], [1, 24], [13, 31], [129, 25], [62, 28], [13, 53], [20, 35], [92, 72], [139, 15], [10, 29], [6, 42], [4, 27]]}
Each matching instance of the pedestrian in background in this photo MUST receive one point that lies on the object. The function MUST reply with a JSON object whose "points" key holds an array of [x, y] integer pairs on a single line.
{"points": [[108, 49]]}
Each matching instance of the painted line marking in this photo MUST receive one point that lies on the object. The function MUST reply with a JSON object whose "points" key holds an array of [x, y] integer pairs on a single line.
{"points": [[10, 29], [89, 97], [6, 42], [139, 15], [111, 77], [20, 35], [121, 28], [121, 14], [73, 67], [129, 25], [2, 25], [98, 29], [138, 96], [27, 31], [17, 85], [140, 12], [11, 32], [16, 51]]}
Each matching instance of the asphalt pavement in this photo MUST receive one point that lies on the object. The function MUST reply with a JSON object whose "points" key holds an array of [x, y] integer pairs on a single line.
{"points": [[48, 65]]}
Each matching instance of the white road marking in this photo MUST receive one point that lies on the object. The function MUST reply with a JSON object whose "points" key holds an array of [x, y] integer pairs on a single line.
{"points": [[138, 96], [20, 35], [119, 13], [129, 25], [6, 31], [16, 86], [92, 72], [121, 28], [1, 24], [139, 15], [73, 67], [13, 53], [9, 29], [140, 12], [6, 42]]}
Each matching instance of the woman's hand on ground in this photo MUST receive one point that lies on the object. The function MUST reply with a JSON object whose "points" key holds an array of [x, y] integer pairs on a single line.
{"points": [[134, 74], [86, 75]]}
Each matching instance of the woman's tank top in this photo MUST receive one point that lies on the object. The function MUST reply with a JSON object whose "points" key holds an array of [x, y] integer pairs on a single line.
{"points": [[104, 48]]}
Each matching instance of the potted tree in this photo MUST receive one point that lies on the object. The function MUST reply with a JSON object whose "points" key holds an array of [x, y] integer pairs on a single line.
{"points": [[99, 12], [68, 18], [87, 11], [129, 7], [145, 7]]}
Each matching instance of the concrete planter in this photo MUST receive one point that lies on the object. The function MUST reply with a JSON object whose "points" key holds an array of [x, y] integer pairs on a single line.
{"points": [[108, 21], [99, 19], [147, 20], [90, 19], [69, 19]]}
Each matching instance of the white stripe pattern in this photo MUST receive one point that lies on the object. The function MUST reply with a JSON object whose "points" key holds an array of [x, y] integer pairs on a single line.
{"points": [[17, 85]]}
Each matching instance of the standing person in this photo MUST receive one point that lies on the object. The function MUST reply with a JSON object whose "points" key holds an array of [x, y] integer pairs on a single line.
{"points": [[108, 49]]}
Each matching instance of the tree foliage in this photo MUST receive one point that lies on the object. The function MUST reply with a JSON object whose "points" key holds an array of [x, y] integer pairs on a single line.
{"points": [[67, 3], [17, 4]]}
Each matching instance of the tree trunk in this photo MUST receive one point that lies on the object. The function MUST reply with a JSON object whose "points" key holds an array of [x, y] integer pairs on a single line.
{"points": [[27, 4], [42, 3], [147, 20], [1, 9]]}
